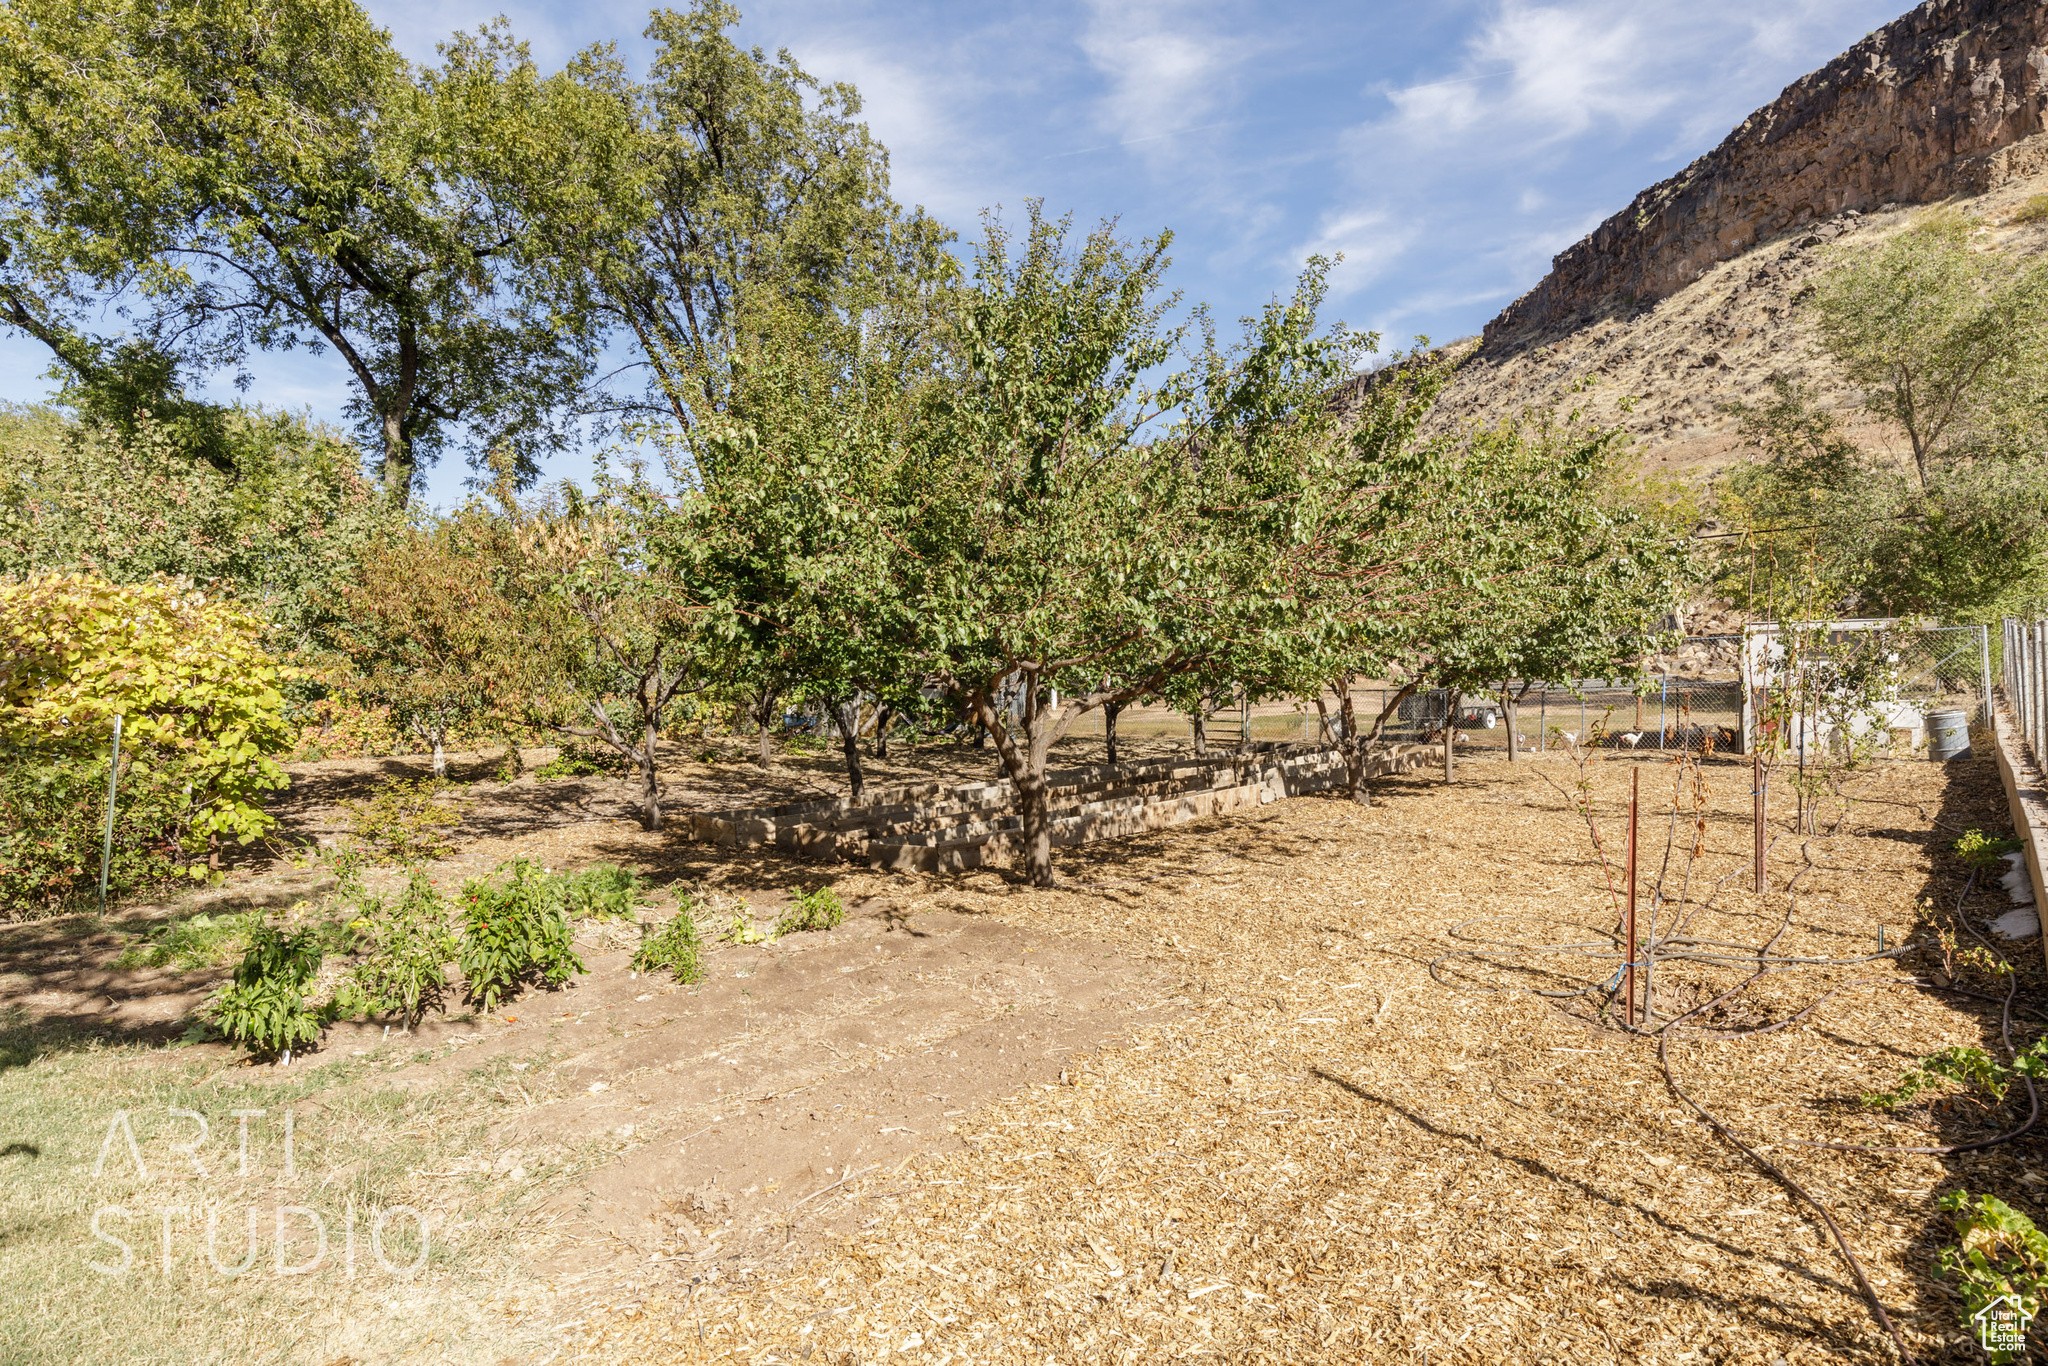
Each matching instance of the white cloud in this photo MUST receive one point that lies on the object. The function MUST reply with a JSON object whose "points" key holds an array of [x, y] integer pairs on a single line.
{"points": [[1370, 240], [1163, 68], [1536, 74]]}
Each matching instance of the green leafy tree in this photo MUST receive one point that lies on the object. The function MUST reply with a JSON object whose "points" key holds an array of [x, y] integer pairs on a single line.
{"points": [[618, 625], [280, 528], [1939, 334], [437, 627], [1055, 548], [1553, 581], [754, 182], [277, 177], [799, 526]]}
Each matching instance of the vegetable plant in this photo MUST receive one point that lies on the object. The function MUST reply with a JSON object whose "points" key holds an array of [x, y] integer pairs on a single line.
{"points": [[603, 891], [676, 949], [818, 909], [2002, 1256], [514, 932], [411, 941], [264, 1009]]}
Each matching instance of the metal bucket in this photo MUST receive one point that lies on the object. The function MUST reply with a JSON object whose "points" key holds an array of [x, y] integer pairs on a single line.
{"points": [[1948, 735]]}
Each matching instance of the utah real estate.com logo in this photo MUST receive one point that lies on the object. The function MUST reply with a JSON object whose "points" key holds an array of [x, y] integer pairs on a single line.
{"points": [[300, 1242], [2001, 1326]]}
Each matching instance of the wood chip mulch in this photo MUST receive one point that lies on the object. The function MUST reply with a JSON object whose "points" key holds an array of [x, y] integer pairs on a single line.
{"points": [[1369, 1138]]}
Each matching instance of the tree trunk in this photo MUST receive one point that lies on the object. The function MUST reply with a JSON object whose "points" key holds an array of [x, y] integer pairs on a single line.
{"points": [[763, 708], [440, 756], [398, 465], [1512, 710], [1453, 703], [883, 716], [849, 741], [513, 756], [1354, 751], [1033, 808], [1322, 721], [651, 790], [1109, 711], [1201, 732]]}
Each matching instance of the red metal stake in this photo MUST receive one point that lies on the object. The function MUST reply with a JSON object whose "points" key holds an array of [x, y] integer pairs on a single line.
{"points": [[1756, 792], [1628, 929]]}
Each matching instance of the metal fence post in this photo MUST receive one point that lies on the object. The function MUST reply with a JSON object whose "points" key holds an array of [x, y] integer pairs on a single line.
{"points": [[1984, 667], [107, 843]]}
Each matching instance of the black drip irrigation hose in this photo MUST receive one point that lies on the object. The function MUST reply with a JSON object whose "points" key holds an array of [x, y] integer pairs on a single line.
{"points": [[1774, 1171], [1764, 963]]}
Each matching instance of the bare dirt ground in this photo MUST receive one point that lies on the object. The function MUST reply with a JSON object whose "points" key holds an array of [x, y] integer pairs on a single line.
{"points": [[1265, 1088]]}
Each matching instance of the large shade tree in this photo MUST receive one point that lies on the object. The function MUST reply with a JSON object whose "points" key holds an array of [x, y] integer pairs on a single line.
{"points": [[218, 178]]}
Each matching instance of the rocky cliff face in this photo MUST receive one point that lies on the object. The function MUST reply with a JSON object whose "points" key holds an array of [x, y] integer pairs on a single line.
{"points": [[1951, 99]]}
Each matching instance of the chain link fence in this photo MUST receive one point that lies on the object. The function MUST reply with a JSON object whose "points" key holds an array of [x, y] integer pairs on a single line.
{"points": [[1909, 672]]}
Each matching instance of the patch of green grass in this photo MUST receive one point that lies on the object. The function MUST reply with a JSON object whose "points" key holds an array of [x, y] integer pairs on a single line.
{"points": [[2035, 210], [359, 1143], [202, 941]]}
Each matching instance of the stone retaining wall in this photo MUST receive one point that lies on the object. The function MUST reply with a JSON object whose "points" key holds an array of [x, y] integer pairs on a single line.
{"points": [[925, 827]]}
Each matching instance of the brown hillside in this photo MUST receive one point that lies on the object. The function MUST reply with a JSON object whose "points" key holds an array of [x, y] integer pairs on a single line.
{"points": [[1690, 298], [1715, 341]]}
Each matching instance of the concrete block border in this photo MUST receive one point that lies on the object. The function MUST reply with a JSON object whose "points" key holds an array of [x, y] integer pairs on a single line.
{"points": [[2026, 792]]}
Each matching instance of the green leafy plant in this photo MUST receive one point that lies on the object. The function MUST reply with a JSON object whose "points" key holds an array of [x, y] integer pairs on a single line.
{"points": [[818, 909], [603, 891], [514, 932], [264, 1009], [743, 930], [1966, 1067], [203, 941], [404, 821], [185, 672], [1985, 852], [348, 864], [677, 949], [2035, 210], [2002, 1256], [52, 813], [410, 942]]}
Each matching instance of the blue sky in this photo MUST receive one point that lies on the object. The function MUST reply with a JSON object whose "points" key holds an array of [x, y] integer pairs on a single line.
{"points": [[1448, 149]]}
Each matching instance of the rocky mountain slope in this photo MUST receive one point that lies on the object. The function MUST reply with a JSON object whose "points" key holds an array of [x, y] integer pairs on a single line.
{"points": [[1691, 296]]}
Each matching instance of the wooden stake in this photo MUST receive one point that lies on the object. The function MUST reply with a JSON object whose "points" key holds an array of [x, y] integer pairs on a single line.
{"points": [[1628, 929]]}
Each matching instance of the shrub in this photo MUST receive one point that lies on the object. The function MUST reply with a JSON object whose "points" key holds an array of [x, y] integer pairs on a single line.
{"points": [[2035, 210], [404, 821], [603, 891], [580, 758], [53, 809], [513, 933], [820, 909], [678, 949], [264, 1009], [2001, 1256], [198, 695], [409, 943]]}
